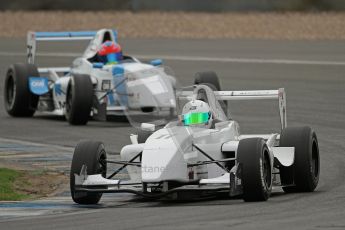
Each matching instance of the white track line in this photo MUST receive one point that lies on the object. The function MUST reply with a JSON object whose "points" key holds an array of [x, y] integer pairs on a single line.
{"points": [[198, 58], [30, 143], [243, 60]]}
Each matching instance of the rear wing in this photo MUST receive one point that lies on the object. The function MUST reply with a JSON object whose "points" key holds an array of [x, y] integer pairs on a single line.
{"points": [[34, 37], [279, 95]]}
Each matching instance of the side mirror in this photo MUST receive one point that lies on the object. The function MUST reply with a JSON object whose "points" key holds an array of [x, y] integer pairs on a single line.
{"points": [[98, 65], [148, 127], [134, 139], [156, 62]]}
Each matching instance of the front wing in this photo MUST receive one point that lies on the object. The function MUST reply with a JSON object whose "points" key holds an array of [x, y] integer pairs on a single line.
{"points": [[229, 182]]}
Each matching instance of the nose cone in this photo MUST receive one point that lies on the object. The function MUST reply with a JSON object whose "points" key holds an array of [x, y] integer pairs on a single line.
{"points": [[162, 158]]}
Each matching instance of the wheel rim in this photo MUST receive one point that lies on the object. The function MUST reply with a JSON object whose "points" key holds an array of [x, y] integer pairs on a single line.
{"points": [[10, 91], [267, 171], [315, 160]]}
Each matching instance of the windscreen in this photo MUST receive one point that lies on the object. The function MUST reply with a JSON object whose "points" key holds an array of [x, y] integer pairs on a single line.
{"points": [[148, 95]]}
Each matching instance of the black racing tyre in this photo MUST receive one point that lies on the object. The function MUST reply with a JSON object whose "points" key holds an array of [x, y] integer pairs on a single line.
{"points": [[143, 135], [79, 99], [254, 158], [18, 100], [209, 77], [91, 154], [303, 175]]}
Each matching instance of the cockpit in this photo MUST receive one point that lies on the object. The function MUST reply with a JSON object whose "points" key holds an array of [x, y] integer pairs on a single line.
{"points": [[203, 93], [104, 48]]}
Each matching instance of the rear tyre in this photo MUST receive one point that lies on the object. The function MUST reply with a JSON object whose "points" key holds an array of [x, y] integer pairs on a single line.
{"points": [[210, 79], [18, 100], [147, 109], [91, 154], [79, 99], [303, 175], [254, 158]]}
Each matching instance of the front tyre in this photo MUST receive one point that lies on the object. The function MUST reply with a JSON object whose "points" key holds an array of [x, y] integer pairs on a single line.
{"points": [[18, 100], [254, 158], [91, 154], [79, 99], [303, 175]]}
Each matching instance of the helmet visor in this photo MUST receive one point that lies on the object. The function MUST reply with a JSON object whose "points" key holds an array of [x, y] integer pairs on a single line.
{"points": [[195, 118]]}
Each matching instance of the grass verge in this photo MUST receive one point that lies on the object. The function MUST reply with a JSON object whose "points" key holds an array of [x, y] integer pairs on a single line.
{"points": [[18, 185], [8, 178]]}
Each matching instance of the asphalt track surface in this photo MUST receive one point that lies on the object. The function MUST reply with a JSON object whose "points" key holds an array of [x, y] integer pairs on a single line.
{"points": [[313, 75]]}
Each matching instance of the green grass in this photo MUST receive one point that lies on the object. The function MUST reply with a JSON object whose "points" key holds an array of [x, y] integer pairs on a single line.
{"points": [[7, 180]]}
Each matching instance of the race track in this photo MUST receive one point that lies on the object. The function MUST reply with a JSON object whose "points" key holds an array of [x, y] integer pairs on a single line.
{"points": [[313, 75]]}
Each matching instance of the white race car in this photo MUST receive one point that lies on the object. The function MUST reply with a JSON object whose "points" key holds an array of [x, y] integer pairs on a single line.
{"points": [[90, 86], [197, 155]]}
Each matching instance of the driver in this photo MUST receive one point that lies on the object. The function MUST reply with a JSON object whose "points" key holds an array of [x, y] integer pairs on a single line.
{"points": [[197, 113], [110, 53]]}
